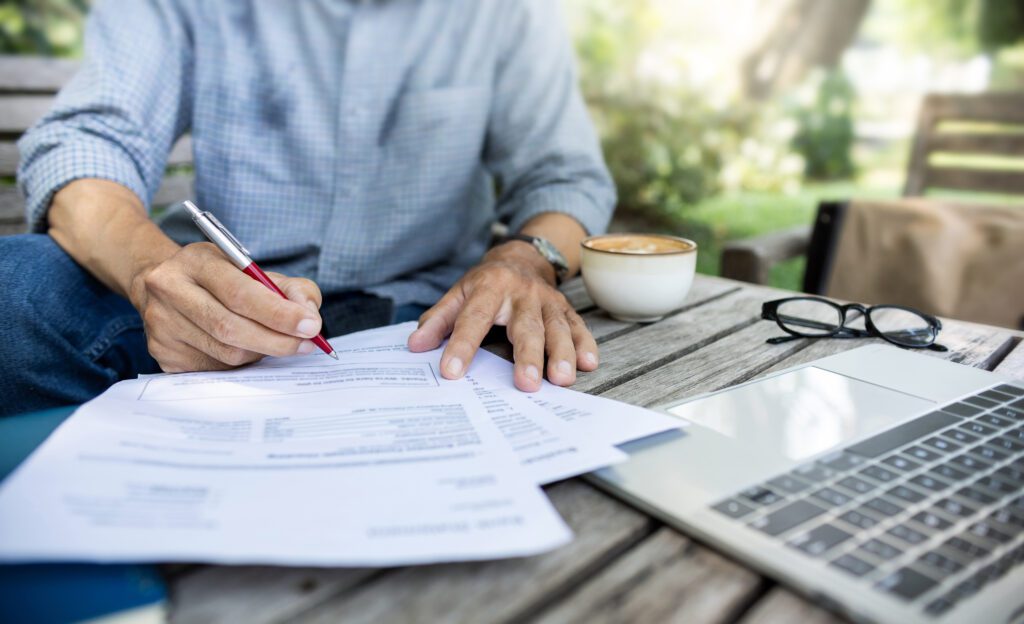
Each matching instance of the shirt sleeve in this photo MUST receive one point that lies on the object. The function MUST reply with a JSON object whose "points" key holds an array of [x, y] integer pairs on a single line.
{"points": [[541, 145], [119, 116]]}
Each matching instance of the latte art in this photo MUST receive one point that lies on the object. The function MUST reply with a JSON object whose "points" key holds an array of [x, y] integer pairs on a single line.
{"points": [[639, 244]]}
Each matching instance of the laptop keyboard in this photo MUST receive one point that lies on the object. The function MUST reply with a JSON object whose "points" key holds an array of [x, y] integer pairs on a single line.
{"points": [[929, 512]]}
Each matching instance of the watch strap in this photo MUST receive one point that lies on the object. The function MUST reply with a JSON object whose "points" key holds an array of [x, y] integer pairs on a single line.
{"points": [[547, 250]]}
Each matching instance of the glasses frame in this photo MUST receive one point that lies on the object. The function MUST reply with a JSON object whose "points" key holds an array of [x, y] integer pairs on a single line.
{"points": [[769, 312]]}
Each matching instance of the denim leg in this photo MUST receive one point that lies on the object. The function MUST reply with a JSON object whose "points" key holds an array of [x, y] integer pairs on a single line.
{"points": [[64, 336]]}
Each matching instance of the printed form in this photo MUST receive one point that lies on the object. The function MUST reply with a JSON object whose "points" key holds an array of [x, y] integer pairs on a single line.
{"points": [[353, 465]]}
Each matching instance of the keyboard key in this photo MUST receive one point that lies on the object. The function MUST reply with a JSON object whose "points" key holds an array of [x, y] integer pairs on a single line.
{"points": [[995, 395], [880, 549], [929, 483], [976, 495], [787, 517], [996, 421], [1018, 404], [970, 463], [1006, 522], [988, 534], [962, 409], [940, 563], [819, 539], [1006, 443], [1010, 389], [907, 534], [813, 473], [989, 452], [906, 433], [1009, 413], [1013, 474], [954, 508], [906, 583], [788, 484], [902, 492], [852, 565], [942, 445], [960, 435], [946, 471], [922, 454], [978, 428], [858, 519], [733, 508], [859, 486], [841, 462], [939, 606], [883, 507], [760, 496], [966, 549], [879, 474], [831, 497], [932, 521], [981, 402], [901, 463]]}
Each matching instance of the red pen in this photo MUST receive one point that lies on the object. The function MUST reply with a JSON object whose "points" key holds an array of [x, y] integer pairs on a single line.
{"points": [[239, 256]]}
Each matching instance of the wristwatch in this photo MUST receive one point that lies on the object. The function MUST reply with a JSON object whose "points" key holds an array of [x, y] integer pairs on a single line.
{"points": [[547, 250]]}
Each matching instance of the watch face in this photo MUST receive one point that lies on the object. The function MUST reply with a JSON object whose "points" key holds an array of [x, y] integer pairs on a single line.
{"points": [[551, 253]]}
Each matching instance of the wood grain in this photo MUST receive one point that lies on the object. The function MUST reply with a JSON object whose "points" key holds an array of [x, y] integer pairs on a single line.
{"points": [[782, 606], [1013, 364], [495, 591], [667, 578]]}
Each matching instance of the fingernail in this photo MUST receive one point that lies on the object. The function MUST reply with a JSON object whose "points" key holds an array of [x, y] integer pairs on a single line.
{"points": [[307, 327], [532, 373], [454, 367], [306, 347], [565, 368], [590, 358]]}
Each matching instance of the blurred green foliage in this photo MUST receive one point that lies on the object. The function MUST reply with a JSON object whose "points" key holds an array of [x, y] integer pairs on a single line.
{"points": [[47, 27], [825, 134]]}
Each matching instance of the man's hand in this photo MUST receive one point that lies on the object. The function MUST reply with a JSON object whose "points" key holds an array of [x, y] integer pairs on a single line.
{"points": [[202, 313], [512, 286]]}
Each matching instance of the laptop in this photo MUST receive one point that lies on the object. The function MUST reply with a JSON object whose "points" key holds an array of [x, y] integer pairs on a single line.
{"points": [[884, 484]]}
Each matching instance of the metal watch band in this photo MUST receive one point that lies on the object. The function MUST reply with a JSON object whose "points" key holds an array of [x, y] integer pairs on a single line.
{"points": [[548, 251]]}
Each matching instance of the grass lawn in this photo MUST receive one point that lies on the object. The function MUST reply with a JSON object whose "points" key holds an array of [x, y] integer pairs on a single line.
{"points": [[722, 218]]}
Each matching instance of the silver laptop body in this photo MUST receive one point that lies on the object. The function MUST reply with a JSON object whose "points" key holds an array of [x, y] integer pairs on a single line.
{"points": [[844, 479]]}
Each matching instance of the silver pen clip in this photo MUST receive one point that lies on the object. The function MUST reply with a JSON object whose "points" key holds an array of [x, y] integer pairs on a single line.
{"points": [[220, 236], [228, 234]]}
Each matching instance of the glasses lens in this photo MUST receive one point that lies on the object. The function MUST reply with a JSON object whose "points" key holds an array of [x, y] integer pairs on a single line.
{"points": [[810, 317], [903, 327]]}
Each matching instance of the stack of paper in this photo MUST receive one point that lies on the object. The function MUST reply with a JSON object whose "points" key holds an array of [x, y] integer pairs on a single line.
{"points": [[370, 460]]}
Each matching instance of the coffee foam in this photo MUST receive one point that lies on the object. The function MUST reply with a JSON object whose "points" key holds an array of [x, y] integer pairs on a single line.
{"points": [[640, 244]]}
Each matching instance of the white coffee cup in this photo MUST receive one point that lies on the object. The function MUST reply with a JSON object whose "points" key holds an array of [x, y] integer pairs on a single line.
{"points": [[638, 278]]}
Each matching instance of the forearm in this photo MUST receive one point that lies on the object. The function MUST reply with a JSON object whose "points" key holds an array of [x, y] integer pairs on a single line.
{"points": [[104, 227], [561, 230]]}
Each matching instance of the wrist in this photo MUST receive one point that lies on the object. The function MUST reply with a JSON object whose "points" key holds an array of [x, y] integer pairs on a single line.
{"points": [[525, 256]]}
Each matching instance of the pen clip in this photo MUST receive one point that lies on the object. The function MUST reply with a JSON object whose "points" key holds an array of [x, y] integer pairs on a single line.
{"points": [[226, 233]]}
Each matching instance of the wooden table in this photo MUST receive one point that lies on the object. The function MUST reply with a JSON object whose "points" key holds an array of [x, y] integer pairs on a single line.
{"points": [[622, 566]]}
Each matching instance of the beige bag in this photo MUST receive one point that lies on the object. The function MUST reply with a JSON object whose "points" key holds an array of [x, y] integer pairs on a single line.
{"points": [[947, 259]]}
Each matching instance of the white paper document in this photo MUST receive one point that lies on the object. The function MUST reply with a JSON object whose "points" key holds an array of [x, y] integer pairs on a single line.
{"points": [[232, 468]]}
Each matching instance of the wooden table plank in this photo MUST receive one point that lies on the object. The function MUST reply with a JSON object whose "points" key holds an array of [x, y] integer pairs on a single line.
{"points": [[495, 590], [664, 579], [782, 605], [1013, 364], [256, 593]]}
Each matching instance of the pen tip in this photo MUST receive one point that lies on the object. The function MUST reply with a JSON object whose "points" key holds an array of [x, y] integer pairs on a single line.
{"points": [[333, 355]]}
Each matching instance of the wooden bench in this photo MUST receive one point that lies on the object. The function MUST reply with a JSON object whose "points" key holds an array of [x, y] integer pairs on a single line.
{"points": [[986, 125], [28, 86]]}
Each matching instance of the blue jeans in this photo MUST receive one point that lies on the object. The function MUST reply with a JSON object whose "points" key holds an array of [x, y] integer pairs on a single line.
{"points": [[65, 337]]}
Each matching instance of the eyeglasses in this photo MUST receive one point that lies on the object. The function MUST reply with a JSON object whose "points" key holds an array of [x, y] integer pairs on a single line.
{"points": [[814, 317]]}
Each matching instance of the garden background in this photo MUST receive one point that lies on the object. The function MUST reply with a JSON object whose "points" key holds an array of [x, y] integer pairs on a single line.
{"points": [[729, 119]]}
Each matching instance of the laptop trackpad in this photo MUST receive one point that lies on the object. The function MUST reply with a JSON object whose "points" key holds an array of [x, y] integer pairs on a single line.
{"points": [[802, 413]]}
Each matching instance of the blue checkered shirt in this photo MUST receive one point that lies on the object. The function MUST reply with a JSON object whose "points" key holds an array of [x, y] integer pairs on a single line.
{"points": [[368, 145]]}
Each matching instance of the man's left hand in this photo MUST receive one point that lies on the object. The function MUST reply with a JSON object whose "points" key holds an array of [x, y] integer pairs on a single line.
{"points": [[513, 286]]}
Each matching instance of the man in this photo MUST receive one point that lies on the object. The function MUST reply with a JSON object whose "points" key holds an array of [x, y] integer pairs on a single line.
{"points": [[351, 145]]}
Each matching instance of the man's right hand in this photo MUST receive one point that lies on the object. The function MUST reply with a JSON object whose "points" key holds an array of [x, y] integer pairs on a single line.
{"points": [[202, 313]]}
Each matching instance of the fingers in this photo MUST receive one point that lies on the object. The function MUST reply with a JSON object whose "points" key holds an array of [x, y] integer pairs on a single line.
{"points": [[183, 347], [559, 345], [300, 290], [250, 299], [471, 325], [583, 341], [526, 332], [437, 323]]}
